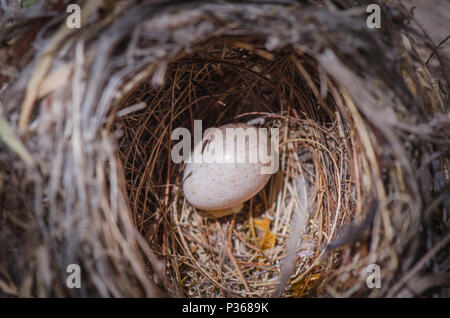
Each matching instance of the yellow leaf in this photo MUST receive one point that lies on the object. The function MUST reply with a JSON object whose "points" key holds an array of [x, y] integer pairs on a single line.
{"points": [[266, 239], [262, 224]]}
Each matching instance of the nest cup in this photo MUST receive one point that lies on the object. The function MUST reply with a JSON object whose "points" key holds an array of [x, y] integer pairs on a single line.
{"points": [[109, 197], [234, 79]]}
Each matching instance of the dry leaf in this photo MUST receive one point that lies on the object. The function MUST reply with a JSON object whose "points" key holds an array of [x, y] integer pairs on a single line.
{"points": [[266, 239]]}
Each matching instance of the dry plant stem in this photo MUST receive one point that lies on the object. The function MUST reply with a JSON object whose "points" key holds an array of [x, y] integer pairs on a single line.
{"points": [[280, 200], [419, 265]]}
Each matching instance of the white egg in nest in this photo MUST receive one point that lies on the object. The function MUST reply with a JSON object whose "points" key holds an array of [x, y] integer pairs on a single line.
{"points": [[235, 166]]}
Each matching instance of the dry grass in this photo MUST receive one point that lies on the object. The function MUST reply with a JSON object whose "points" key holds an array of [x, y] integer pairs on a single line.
{"points": [[235, 79]]}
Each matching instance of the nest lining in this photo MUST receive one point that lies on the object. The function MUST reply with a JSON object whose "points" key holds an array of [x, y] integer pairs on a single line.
{"points": [[228, 80]]}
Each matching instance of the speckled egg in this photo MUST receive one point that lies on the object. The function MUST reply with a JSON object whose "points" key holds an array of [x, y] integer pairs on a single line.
{"points": [[222, 187]]}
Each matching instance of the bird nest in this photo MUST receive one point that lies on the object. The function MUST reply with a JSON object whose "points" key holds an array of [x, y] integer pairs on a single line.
{"points": [[361, 178], [229, 80]]}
